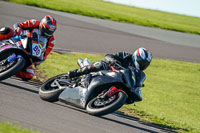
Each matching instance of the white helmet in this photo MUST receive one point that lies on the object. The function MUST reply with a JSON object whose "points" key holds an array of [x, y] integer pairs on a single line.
{"points": [[142, 58]]}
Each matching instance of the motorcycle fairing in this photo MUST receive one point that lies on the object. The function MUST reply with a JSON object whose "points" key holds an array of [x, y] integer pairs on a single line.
{"points": [[11, 44], [5, 47], [100, 83], [75, 96], [135, 93], [79, 96], [22, 46], [13, 48], [137, 90]]}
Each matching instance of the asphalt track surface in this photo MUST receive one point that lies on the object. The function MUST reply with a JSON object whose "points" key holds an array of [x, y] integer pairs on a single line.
{"points": [[20, 103]]}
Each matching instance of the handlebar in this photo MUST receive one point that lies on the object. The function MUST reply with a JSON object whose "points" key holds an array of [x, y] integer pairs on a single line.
{"points": [[118, 65]]}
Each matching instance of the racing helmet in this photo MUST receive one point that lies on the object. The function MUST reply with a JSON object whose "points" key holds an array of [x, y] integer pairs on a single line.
{"points": [[142, 58], [48, 26]]}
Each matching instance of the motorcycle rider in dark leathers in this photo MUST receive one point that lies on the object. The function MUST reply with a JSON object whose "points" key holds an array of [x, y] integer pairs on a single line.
{"points": [[139, 60]]}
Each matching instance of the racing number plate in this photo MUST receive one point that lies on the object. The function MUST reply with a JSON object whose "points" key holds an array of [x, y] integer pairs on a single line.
{"points": [[36, 50]]}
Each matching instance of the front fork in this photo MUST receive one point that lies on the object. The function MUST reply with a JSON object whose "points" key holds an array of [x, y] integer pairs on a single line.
{"points": [[13, 57], [10, 59]]}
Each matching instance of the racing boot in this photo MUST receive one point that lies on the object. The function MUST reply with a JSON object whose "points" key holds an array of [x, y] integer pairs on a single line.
{"points": [[79, 72], [26, 74], [100, 65]]}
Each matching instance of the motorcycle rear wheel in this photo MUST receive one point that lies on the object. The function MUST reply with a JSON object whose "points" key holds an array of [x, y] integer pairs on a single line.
{"points": [[49, 93], [11, 68], [99, 109]]}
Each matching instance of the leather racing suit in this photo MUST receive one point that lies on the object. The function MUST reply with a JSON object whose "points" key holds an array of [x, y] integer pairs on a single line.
{"points": [[30, 28], [122, 58]]}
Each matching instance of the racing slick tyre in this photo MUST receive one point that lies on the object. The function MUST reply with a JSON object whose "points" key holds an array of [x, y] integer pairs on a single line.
{"points": [[101, 107], [9, 69], [50, 90]]}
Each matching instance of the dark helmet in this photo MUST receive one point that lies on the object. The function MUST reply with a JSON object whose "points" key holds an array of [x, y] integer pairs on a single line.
{"points": [[48, 26], [142, 58]]}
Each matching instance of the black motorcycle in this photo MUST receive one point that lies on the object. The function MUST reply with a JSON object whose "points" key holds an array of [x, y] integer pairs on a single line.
{"points": [[18, 53], [99, 93]]}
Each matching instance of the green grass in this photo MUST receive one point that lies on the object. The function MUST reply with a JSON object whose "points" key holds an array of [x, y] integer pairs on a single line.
{"points": [[172, 90], [9, 128], [62, 63], [122, 13], [171, 93]]}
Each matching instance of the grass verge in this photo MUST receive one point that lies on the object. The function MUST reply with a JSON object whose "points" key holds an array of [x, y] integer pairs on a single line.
{"points": [[9, 128], [171, 92], [121, 13]]}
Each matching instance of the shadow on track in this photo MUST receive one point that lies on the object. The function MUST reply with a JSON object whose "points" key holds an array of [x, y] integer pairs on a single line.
{"points": [[117, 114], [33, 82], [131, 125], [21, 87], [132, 118], [70, 107]]}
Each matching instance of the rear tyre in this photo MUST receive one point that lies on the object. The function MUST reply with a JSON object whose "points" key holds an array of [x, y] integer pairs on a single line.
{"points": [[11, 68], [49, 91], [98, 107]]}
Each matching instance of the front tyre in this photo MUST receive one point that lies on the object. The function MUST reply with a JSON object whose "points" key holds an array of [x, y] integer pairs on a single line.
{"points": [[51, 89], [99, 107], [8, 69]]}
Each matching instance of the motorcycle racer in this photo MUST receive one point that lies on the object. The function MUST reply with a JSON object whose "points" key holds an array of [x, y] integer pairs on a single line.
{"points": [[41, 32], [139, 60]]}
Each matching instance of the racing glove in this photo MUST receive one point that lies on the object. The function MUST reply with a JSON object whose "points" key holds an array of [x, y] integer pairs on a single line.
{"points": [[111, 61], [73, 74]]}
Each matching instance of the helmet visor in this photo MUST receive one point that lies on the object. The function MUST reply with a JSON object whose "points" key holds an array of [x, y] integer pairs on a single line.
{"points": [[143, 64], [48, 32]]}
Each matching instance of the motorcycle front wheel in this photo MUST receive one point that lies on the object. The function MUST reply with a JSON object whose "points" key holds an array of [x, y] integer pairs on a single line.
{"points": [[8, 69], [99, 107], [51, 89]]}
